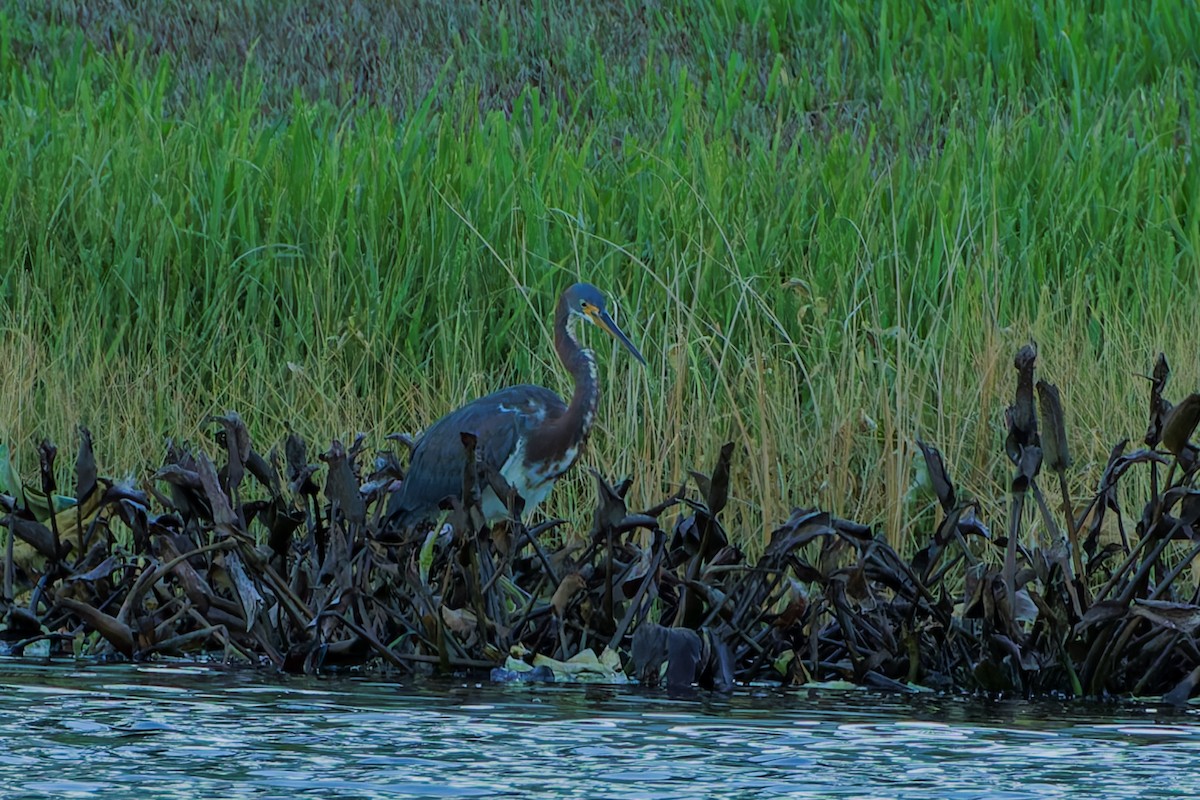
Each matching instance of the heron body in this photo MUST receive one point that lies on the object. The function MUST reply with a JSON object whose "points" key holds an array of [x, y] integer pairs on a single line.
{"points": [[527, 434]]}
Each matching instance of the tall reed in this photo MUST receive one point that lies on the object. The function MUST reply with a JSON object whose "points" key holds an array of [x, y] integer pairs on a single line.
{"points": [[827, 224]]}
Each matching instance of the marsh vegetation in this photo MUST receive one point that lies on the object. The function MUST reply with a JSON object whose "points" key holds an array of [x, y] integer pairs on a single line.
{"points": [[829, 226]]}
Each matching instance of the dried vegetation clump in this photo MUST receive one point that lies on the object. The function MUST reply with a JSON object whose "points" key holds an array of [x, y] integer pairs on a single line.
{"points": [[276, 559]]}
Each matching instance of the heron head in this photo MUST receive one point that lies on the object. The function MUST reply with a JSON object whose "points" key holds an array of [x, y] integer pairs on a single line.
{"points": [[586, 302]]}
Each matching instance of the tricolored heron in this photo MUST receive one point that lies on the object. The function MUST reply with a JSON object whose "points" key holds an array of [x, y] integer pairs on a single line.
{"points": [[525, 433]]}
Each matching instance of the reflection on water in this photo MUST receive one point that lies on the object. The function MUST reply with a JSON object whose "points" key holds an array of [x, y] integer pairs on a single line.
{"points": [[185, 732]]}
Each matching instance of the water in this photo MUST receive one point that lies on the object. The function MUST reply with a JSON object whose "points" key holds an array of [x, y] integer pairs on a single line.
{"points": [[187, 732]]}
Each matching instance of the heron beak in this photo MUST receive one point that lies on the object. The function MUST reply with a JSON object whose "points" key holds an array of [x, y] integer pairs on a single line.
{"points": [[605, 322]]}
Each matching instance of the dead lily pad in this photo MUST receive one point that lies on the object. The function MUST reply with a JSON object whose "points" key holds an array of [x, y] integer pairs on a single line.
{"points": [[1183, 617]]}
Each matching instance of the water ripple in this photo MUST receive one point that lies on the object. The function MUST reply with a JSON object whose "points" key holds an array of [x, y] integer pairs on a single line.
{"points": [[161, 731]]}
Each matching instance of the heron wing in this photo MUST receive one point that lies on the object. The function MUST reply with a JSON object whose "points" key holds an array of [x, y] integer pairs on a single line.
{"points": [[498, 421]]}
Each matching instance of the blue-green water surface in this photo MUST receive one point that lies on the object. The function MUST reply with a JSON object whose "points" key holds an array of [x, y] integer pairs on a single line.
{"points": [[162, 731]]}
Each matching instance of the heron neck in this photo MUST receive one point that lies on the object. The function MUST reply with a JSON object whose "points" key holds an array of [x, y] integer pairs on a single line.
{"points": [[581, 411]]}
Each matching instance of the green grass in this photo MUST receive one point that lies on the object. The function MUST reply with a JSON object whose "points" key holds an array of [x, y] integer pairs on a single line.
{"points": [[827, 225]]}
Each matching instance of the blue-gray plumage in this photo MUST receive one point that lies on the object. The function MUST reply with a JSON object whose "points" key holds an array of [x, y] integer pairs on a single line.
{"points": [[527, 434]]}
